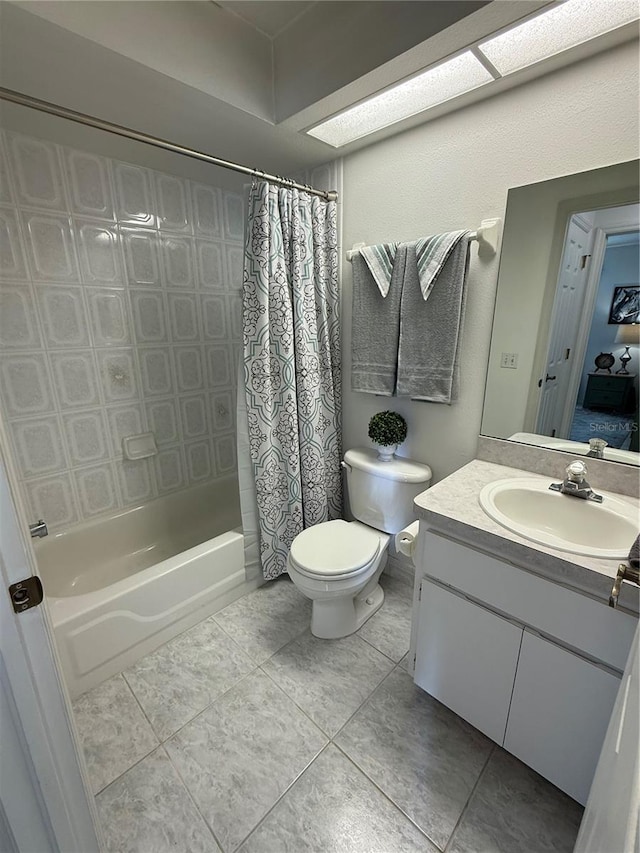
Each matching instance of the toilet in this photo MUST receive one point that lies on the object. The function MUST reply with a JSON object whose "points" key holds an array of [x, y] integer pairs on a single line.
{"points": [[337, 564]]}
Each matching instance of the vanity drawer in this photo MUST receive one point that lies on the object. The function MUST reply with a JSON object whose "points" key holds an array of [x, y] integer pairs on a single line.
{"points": [[574, 620]]}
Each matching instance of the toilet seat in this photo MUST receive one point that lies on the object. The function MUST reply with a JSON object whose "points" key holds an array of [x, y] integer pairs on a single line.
{"points": [[334, 549]]}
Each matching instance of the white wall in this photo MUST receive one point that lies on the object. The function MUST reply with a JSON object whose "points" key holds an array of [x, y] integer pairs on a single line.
{"points": [[456, 171]]}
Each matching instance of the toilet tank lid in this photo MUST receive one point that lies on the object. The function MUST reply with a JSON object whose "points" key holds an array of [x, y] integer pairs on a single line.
{"points": [[398, 468]]}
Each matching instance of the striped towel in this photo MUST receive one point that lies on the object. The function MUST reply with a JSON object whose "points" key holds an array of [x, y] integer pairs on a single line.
{"points": [[430, 331], [380, 260], [431, 256]]}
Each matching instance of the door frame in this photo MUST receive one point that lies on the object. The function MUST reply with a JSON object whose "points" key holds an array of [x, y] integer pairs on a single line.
{"points": [[599, 246], [598, 249], [591, 293], [35, 686], [589, 230]]}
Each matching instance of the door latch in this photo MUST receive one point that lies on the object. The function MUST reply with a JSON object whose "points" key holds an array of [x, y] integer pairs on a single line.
{"points": [[25, 594]]}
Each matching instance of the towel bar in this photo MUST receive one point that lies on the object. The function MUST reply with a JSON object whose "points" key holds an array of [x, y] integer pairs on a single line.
{"points": [[487, 237]]}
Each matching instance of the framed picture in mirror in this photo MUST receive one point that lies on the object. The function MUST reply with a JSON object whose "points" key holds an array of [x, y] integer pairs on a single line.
{"points": [[625, 305]]}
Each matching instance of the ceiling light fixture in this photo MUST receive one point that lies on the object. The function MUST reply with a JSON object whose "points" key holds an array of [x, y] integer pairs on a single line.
{"points": [[555, 29], [438, 84]]}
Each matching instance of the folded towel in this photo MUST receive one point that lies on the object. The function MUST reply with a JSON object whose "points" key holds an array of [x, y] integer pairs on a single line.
{"points": [[429, 330], [380, 260], [431, 255], [634, 554], [375, 324]]}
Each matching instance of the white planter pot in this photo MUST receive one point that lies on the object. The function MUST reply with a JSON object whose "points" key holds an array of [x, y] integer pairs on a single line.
{"points": [[386, 452]]}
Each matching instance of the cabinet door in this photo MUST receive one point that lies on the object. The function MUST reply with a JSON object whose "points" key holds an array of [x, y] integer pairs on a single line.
{"points": [[559, 714], [466, 658]]}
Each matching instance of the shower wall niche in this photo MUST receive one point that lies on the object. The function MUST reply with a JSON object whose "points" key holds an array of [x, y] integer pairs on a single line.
{"points": [[120, 313]]}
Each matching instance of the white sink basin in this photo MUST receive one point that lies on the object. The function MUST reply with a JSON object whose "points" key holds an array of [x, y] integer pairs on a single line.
{"points": [[529, 508]]}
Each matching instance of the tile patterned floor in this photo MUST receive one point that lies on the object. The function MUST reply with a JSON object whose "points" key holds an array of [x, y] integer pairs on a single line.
{"points": [[248, 734]]}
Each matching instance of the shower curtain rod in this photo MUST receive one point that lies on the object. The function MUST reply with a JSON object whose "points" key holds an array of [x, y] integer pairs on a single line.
{"points": [[91, 121]]}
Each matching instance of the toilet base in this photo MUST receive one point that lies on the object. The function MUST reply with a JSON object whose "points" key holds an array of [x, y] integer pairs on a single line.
{"points": [[338, 617]]}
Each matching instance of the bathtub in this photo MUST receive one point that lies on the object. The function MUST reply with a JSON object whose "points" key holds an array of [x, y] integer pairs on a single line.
{"points": [[119, 587]]}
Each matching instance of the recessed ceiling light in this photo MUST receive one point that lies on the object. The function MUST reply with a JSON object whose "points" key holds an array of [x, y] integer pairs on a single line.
{"points": [[434, 86], [556, 29]]}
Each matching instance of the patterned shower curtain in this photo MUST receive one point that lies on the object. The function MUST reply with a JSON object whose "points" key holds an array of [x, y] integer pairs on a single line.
{"points": [[292, 365]]}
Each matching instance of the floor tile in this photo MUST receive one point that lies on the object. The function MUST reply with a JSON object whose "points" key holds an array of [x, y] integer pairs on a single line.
{"points": [[265, 620], [181, 678], [514, 810], [423, 756], [389, 630], [240, 755], [148, 809], [113, 730], [328, 679], [334, 807], [404, 663]]}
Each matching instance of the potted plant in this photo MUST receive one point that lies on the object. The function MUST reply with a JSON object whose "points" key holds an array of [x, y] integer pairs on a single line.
{"points": [[387, 430]]}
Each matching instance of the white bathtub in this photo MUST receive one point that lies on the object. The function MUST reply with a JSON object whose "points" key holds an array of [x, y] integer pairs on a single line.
{"points": [[120, 586]]}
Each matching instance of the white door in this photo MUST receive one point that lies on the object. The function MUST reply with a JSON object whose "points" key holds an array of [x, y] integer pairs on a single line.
{"points": [[45, 803], [565, 324], [612, 817]]}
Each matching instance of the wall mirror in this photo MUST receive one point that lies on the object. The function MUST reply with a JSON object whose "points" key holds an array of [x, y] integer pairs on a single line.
{"points": [[565, 346]]}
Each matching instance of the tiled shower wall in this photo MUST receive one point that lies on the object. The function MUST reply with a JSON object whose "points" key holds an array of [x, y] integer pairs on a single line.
{"points": [[119, 313]]}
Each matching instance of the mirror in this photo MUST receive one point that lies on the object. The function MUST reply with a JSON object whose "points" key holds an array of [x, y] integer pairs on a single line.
{"points": [[568, 295]]}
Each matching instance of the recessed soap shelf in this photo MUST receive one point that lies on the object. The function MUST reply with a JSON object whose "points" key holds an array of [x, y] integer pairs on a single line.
{"points": [[140, 446]]}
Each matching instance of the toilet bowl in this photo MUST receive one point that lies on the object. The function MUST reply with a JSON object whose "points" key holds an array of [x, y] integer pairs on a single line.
{"points": [[337, 564]]}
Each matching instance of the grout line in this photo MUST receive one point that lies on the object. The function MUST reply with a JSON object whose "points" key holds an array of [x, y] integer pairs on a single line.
{"points": [[124, 772], [293, 702], [369, 643], [208, 707], [139, 704], [192, 798], [284, 793], [384, 794], [473, 790], [365, 701]]}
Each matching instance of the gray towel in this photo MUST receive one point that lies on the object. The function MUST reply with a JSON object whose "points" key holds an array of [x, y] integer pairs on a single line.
{"points": [[634, 554], [431, 319], [375, 328]]}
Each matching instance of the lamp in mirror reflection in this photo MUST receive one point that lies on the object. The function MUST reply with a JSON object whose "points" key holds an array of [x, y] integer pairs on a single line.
{"points": [[628, 336]]}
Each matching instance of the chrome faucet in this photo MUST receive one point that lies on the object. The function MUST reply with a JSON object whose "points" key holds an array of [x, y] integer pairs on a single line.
{"points": [[596, 448], [38, 530], [575, 483]]}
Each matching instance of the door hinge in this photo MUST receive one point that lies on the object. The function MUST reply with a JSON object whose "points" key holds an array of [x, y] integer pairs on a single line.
{"points": [[420, 592], [25, 594]]}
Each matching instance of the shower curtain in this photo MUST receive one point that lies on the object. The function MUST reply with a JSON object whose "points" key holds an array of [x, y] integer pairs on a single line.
{"points": [[291, 365]]}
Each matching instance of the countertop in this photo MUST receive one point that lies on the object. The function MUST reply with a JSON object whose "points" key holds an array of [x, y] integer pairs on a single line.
{"points": [[452, 507]]}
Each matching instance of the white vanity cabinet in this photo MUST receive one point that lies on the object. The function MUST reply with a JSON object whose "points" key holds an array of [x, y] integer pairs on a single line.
{"points": [[527, 661]]}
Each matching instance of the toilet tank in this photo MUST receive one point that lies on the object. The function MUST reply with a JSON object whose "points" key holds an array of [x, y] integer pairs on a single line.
{"points": [[381, 493]]}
